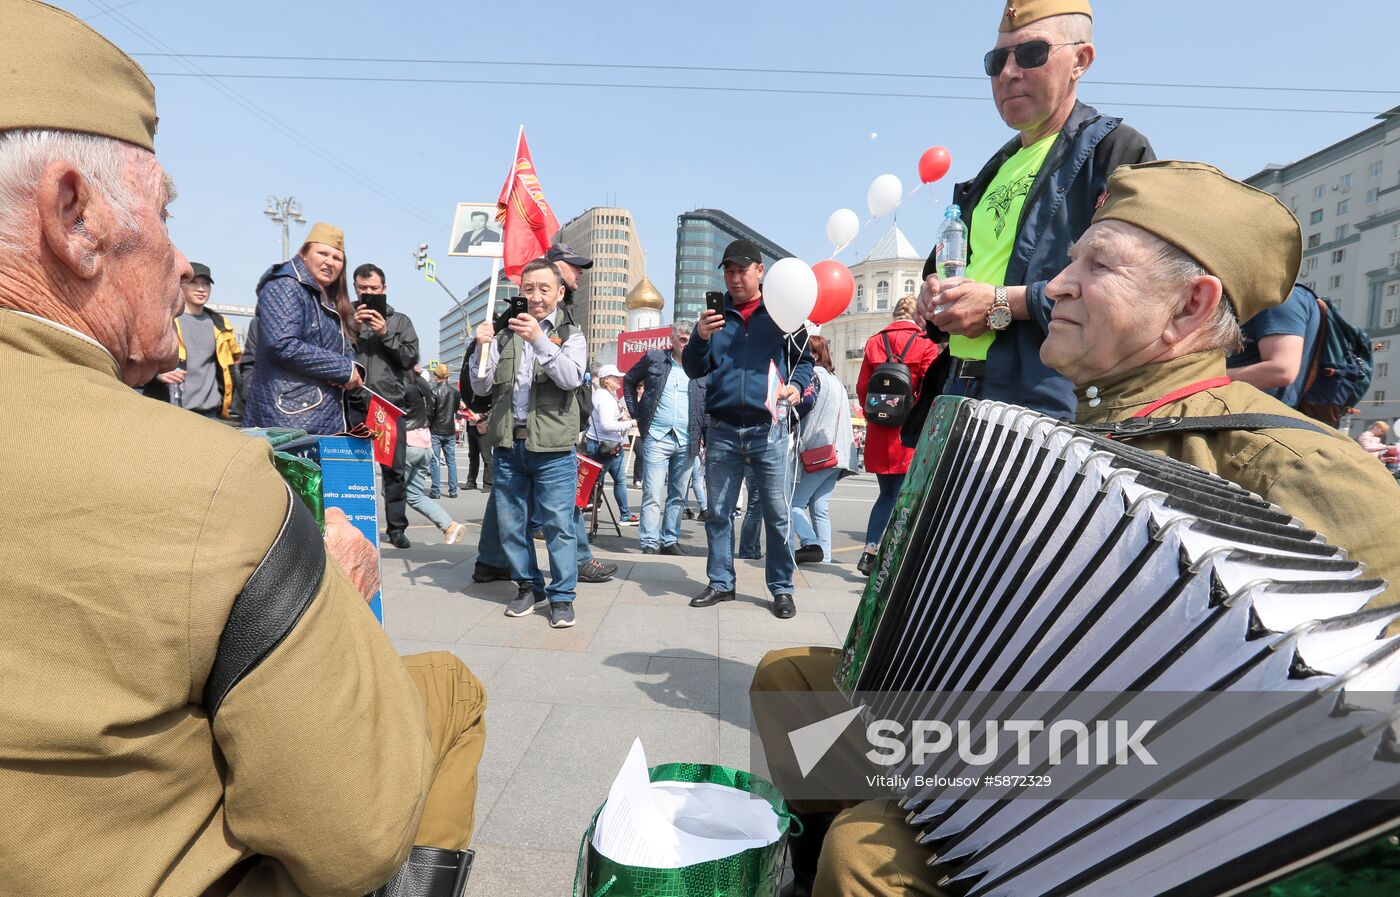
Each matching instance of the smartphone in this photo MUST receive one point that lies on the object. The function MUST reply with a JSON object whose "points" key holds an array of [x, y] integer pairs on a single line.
{"points": [[714, 301], [518, 306], [376, 302]]}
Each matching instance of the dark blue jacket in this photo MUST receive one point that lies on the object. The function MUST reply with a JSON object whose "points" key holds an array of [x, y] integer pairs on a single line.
{"points": [[651, 372], [303, 356], [1057, 211], [737, 359]]}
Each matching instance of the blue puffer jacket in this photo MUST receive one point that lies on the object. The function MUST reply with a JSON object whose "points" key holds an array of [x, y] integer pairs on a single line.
{"points": [[303, 356], [1057, 211], [737, 358]]}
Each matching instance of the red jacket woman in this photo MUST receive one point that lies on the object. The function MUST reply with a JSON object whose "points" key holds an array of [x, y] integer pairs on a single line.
{"points": [[885, 455]]}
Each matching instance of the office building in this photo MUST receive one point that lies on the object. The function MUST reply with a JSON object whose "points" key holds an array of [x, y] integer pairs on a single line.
{"points": [[609, 237], [701, 236], [1347, 199]]}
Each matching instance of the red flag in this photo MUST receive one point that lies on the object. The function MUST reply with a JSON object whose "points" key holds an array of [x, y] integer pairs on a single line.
{"points": [[529, 223], [383, 424]]}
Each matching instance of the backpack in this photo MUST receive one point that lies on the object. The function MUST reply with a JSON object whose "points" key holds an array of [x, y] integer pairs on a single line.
{"points": [[889, 394], [1340, 371]]}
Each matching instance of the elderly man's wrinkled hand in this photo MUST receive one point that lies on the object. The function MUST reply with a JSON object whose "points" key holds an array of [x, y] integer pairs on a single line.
{"points": [[355, 553]]}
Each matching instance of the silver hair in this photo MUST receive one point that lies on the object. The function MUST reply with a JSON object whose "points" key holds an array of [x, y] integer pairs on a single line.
{"points": [[1171, 266], [682, 328], [104, 163], [1073, 27]]}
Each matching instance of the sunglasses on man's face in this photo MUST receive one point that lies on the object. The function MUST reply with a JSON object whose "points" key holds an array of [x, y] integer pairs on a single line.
{"points": [[1030, 55]]}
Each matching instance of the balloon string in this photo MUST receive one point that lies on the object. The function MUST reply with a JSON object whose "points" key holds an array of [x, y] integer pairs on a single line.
{"points": [[865, 227]]}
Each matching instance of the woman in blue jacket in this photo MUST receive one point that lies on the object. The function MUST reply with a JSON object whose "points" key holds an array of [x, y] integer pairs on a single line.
{"points": [[306, 345]]}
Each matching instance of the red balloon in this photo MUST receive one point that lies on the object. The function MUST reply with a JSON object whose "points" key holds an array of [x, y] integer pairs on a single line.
{"points": [[934, 163], [835, 287]]}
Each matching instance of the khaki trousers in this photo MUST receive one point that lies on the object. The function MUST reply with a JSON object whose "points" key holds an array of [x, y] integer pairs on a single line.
{"points": [[455, 706], [870, 851]]}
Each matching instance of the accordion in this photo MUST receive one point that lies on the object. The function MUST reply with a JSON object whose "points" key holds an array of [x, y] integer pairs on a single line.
{"points": [[1029, 557]]}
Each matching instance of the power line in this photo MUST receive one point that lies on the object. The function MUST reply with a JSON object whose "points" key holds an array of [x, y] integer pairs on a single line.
{"points": [[267, 117], [697, 87], [747, 71]]}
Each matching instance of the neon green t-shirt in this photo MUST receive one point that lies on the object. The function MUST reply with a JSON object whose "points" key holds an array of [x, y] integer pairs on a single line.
{"points": [[993, 232]]}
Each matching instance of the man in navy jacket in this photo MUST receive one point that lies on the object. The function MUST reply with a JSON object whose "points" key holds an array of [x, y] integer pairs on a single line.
{"points": [[738, 350]]}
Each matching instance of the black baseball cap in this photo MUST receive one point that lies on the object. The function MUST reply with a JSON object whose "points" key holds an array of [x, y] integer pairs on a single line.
{"points": [[201, 270], [742, 252], [563, 252]]}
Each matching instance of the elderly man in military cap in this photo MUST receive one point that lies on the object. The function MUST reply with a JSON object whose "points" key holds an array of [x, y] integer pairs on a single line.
{"points": [[1023, 209], [1178, 257], [197, 698], [1143, 318]]}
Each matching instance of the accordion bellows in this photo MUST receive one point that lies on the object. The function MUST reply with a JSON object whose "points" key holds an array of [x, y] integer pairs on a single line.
{"points": [[1026, 555]]}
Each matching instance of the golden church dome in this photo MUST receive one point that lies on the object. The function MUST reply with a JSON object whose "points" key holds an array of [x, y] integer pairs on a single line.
{"points": [[644, 295]]}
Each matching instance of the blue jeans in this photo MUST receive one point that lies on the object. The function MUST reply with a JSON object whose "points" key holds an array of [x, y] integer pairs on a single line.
{"points": [[697, 481], [884, 506], [811, 520], [448, 447], [554, 476], [490, 552], [750, 543], [611, 467], [416, 462], [731, 452], [663, 479]]}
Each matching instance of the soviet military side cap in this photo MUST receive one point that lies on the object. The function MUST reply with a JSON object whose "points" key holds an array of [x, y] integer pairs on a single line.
{"points": [[1020, 13], [328, 234], [57, 73], [1243, 236]]}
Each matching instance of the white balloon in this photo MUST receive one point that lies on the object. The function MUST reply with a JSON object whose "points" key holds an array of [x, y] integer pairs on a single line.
{"points": [[884, 195], [789, 293], [842, 227]]}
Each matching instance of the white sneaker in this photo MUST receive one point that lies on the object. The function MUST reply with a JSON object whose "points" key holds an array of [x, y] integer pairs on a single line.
{"points": [[453, 534]]}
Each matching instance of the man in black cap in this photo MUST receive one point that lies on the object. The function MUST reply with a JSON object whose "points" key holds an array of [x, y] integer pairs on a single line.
{"points": [[739, 350], [571, 266], [204, 380]]}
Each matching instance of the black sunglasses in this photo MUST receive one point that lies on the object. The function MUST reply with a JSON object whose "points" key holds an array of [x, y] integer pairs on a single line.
{"points": [[1030, 55]]}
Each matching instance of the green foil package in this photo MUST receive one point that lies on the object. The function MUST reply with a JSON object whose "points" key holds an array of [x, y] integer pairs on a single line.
{"points": [[304, 477], [752, 873]]}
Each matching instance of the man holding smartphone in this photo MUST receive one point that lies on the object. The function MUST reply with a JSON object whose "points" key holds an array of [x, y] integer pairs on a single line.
{"points": [[387, 349], [737, 349]]}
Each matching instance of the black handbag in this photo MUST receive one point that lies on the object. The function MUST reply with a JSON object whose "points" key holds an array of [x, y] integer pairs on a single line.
{"points": [[430, 872], [607, 449]]}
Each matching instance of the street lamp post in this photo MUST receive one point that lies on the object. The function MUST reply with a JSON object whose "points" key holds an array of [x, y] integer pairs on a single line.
{"points": [[283, 212]]}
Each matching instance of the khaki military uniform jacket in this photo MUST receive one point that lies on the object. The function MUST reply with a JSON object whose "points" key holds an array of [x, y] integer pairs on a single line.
{"points": [[133, 528], [1325, 479]]}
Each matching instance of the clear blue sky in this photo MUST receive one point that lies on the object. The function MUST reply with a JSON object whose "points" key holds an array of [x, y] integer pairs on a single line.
{"points": [[781, 162]]}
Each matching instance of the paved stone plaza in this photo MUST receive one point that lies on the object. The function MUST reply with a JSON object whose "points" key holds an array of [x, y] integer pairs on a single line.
{"points": [[564, 705]]}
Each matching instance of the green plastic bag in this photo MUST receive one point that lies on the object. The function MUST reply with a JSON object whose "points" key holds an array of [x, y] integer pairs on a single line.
{"points": [[304, 476], [753, 873]]}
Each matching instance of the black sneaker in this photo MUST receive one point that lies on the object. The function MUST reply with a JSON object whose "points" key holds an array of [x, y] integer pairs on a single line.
{"points": [[866, 563], [808, 554], [487, 573], [702, 516], [561, 614], [399, 540], [688, 514], [672, 549], [594, 570], [525, 601]]}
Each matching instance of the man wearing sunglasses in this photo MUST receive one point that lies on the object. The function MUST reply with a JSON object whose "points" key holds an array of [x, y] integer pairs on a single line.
{"points": [[1024, 209]]}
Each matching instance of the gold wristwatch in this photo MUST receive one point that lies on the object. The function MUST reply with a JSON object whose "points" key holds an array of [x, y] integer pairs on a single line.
{"points": [[999, 318]]}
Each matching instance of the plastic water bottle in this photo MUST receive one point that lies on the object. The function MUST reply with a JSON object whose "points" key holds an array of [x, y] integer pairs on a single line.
{"points": [[952, 240]]}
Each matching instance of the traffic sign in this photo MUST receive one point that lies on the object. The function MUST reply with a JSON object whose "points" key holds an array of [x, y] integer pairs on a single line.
{"points": [[430, 270]]}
